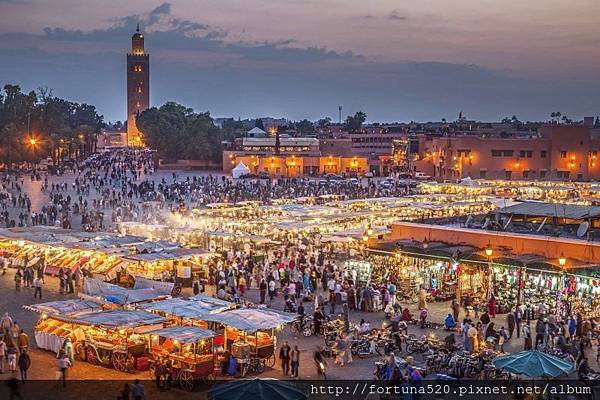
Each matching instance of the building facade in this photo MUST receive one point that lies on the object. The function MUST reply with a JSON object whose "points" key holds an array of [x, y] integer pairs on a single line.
{"points": [[383, 146], [290, 157], [138, 86], [555, 152]]}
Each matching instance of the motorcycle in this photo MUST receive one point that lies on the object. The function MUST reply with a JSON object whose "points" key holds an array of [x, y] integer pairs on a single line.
{"points": [[420, 346], [304, 326], [364, 347]]}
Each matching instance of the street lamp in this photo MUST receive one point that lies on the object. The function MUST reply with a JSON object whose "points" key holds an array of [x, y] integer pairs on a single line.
{"points": [[425, 244], [488, 250], [562, 260], [365, 236]]}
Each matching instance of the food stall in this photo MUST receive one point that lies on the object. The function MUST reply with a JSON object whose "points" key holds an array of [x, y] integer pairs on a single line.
{"points": [[115, 338], [187, 349], [51, 332], [250, 335], [111, 338]]}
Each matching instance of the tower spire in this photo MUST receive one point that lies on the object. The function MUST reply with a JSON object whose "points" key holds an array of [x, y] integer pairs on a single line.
{"points": [[138, 27]]}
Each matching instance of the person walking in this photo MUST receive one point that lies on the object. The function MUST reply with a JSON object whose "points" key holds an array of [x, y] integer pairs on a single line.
{"points": [[137, 390], [23, 341], [11, 353], [295, 358], [540, 331], [63, 364], [284, 357], [24, 364], [510, 321], [263, 291], [455, 310], [37, 291], [3, 353], [527, 336]]}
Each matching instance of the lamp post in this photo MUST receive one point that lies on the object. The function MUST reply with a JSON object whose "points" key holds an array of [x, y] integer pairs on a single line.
{"points": [[488, 252], [562, 261]]}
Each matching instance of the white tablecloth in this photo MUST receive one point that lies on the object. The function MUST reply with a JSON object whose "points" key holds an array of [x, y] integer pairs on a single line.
{"points": [[48, 341]]}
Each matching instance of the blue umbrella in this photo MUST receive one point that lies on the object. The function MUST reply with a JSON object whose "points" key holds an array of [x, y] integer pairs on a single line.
{"points": [[257, 389], [534, 364]]}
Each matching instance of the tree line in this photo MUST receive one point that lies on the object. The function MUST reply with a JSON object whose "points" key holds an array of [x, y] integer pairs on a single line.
{"points": [[37, 125]]}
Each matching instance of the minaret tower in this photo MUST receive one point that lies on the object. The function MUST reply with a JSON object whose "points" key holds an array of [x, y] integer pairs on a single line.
{"points": [[138, 86]]}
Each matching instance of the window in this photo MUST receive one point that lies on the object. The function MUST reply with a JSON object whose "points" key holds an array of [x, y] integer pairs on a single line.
{"points": [[482, 174], [543, 154], [542, 174], [507, 174], [525, 153], [463, 153], [563, 154], [525, 174], [562, 174], [502, 153]]}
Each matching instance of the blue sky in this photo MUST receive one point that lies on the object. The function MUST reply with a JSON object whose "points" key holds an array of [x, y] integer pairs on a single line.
{"points": [[396, 60]]}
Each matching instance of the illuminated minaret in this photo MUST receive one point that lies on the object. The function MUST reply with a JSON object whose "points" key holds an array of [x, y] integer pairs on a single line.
{"points": [[138, 85]]}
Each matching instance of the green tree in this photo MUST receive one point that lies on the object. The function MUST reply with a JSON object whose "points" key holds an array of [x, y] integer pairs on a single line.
{"points": [[304, 127], [177, 132], [355, 122]]}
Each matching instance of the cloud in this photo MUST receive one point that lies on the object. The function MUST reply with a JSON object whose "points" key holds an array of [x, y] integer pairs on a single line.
{"points": [[169, 33], [395, 15], [203, 67]]}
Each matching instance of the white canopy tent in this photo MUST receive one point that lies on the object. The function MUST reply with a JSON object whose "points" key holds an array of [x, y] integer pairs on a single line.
{"points": [[240, 170]]}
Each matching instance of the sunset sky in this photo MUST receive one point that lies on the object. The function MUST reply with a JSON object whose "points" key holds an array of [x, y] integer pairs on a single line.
{"points": [[396, 60]]}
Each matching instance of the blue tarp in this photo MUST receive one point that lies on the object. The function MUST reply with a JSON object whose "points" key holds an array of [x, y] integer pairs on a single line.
{"points": [[534, 364], [184, 334], [250, 319], [119, 319], [64, 307], [272, 389], [193, 309]]}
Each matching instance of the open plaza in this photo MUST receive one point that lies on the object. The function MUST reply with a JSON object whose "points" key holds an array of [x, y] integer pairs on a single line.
{"points": [[122, 272]]}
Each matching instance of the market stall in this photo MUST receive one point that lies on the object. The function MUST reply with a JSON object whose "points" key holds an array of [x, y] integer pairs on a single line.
{"points": [[110, 338], [187, 349], [50, 333], [250, 334]]}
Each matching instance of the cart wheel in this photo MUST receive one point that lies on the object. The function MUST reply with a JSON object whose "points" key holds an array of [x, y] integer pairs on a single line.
{"points": [[186, 380], [119, 361], [80, 351], [260, 366], [410, 349], [209, 379], [270, 362], [308, 331], [91, 356]]}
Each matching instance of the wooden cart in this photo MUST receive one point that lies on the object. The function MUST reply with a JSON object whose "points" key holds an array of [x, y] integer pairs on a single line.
{"points": [[108, 348], [114, 338], [186, 350]]}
